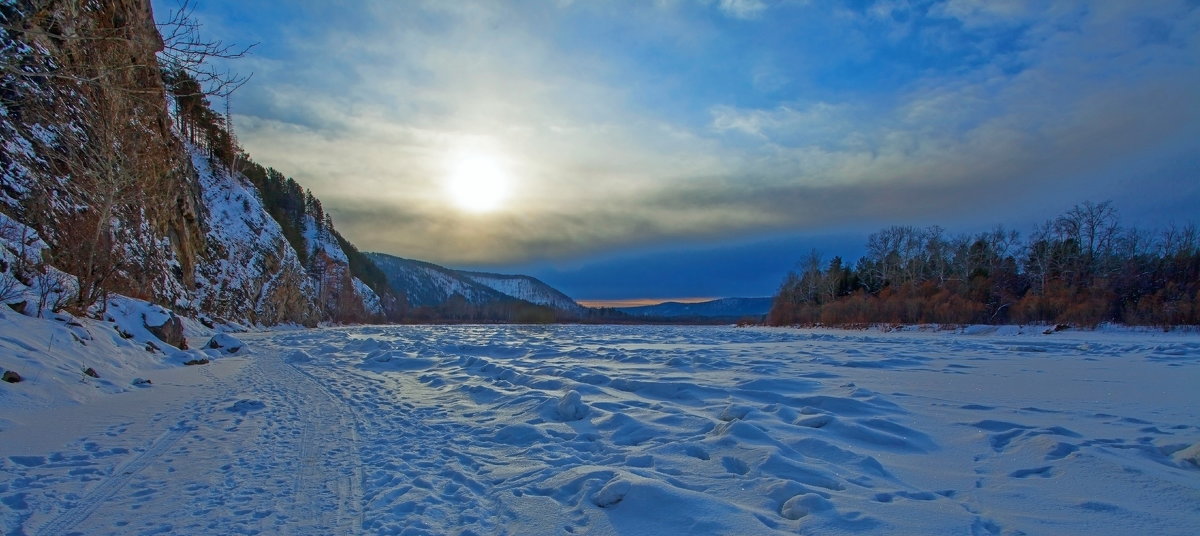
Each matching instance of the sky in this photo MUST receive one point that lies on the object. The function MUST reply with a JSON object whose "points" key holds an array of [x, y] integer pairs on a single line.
{"points": [[673, 148]]}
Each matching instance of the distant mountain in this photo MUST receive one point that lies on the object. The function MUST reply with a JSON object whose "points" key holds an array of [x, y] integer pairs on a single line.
{"points": [[526, 288], [429, 285], [720, 308]]}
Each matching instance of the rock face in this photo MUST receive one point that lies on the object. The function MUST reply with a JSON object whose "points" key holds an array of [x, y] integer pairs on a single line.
{"points": [[248, 270], [67, 176]]}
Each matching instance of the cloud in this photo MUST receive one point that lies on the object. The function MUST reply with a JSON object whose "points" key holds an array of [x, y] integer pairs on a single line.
{"points": [[979, 13], [628, 124], [743, 9]]}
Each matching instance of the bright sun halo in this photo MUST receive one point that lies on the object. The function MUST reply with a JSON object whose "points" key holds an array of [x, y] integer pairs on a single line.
{"points": [[477, 183]]}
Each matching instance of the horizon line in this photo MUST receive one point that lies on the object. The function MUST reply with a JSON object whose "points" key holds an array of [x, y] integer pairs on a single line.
{"points": [[641, 302]]}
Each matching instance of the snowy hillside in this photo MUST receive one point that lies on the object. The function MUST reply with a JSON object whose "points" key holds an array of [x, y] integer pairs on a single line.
{"points": [[429, 285], [329, 266], [721, 308], [609, 430], [252, 274], [526, 288]]}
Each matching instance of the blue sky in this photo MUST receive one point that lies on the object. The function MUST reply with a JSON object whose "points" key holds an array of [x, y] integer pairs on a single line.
{"points": [[678, 148]]}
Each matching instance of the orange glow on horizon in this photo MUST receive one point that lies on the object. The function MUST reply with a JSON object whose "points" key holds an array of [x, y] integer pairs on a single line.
{"points": [[638, 302]]}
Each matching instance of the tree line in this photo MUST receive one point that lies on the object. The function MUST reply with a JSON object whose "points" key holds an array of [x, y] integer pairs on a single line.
{"points": [[1080, 268]]}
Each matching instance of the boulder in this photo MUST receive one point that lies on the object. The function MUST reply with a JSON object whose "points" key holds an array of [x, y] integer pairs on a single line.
{"points": [[11, 376], [170, 332], [225, 341], [91, 372]]}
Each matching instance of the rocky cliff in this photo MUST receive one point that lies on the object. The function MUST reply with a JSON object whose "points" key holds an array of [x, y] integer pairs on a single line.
{"points": [[135, 186]]}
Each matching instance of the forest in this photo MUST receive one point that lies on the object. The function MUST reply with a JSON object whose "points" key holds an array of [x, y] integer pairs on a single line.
{"points": [[1082, 268]]}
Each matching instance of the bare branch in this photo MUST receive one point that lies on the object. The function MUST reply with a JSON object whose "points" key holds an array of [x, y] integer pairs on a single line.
{"points": [[184, 50]]}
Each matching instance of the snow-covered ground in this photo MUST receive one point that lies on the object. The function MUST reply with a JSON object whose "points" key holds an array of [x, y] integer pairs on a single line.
{"points": [[626, 430]]}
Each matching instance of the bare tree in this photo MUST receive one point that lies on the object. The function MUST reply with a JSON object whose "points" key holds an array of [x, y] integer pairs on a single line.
{"points": [[1093, 227], [186, 50], [44, 24], [113, 148], [53, 289]]}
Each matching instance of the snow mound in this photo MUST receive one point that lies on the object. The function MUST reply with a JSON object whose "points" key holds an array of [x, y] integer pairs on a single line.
{"points": [[571, 406], [1189, 456], [53, 353], [804, 504], [298, 356], [226, 342], [612, 493], [395, 360]]}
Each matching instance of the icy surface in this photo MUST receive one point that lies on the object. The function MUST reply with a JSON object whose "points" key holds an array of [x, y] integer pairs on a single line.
{"points": [[627, 430]]}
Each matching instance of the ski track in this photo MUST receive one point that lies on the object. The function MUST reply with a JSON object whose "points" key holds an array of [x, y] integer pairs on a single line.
{"points": [[265, 451], [477, 430], [111, 485]]}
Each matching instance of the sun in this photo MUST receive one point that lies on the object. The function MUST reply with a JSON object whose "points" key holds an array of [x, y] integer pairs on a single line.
{"points": [[477, 182]]}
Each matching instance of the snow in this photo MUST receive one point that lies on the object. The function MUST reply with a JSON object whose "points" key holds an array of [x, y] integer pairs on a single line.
{"points": [[610, 430], [525, 288], [368, 296], [319, 238], [251, 254], [225, 342], [20, 241], [571, 406], [52, 353]]}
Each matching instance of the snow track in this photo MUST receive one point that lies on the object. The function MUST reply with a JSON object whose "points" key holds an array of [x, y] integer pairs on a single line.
{"points": [[111, 485], [329, 472], [263, 449], [423, 465]]}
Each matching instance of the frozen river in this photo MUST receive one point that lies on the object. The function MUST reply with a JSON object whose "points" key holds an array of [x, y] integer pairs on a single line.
{"points": [[634, 430]]}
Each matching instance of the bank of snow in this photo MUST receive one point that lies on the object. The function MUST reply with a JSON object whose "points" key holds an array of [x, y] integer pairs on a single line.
{"points": [[65, 361]]}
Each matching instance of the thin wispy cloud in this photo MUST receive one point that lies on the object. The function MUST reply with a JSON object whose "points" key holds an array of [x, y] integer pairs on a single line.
{"points": [[743, 9]]}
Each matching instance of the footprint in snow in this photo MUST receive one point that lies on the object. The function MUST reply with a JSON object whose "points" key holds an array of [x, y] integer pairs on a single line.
{"points": [[1043, 472]]}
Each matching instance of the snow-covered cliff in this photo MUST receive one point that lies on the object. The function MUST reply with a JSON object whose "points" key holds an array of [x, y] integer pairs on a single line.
{"points": [[136, 187]]}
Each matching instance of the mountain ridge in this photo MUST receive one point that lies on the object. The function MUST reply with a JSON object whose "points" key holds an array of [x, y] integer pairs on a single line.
{"points": [[433, 287], [730, 308]]}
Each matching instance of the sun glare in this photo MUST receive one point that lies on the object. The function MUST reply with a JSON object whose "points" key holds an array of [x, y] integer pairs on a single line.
{"points": [[477, 183]]}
